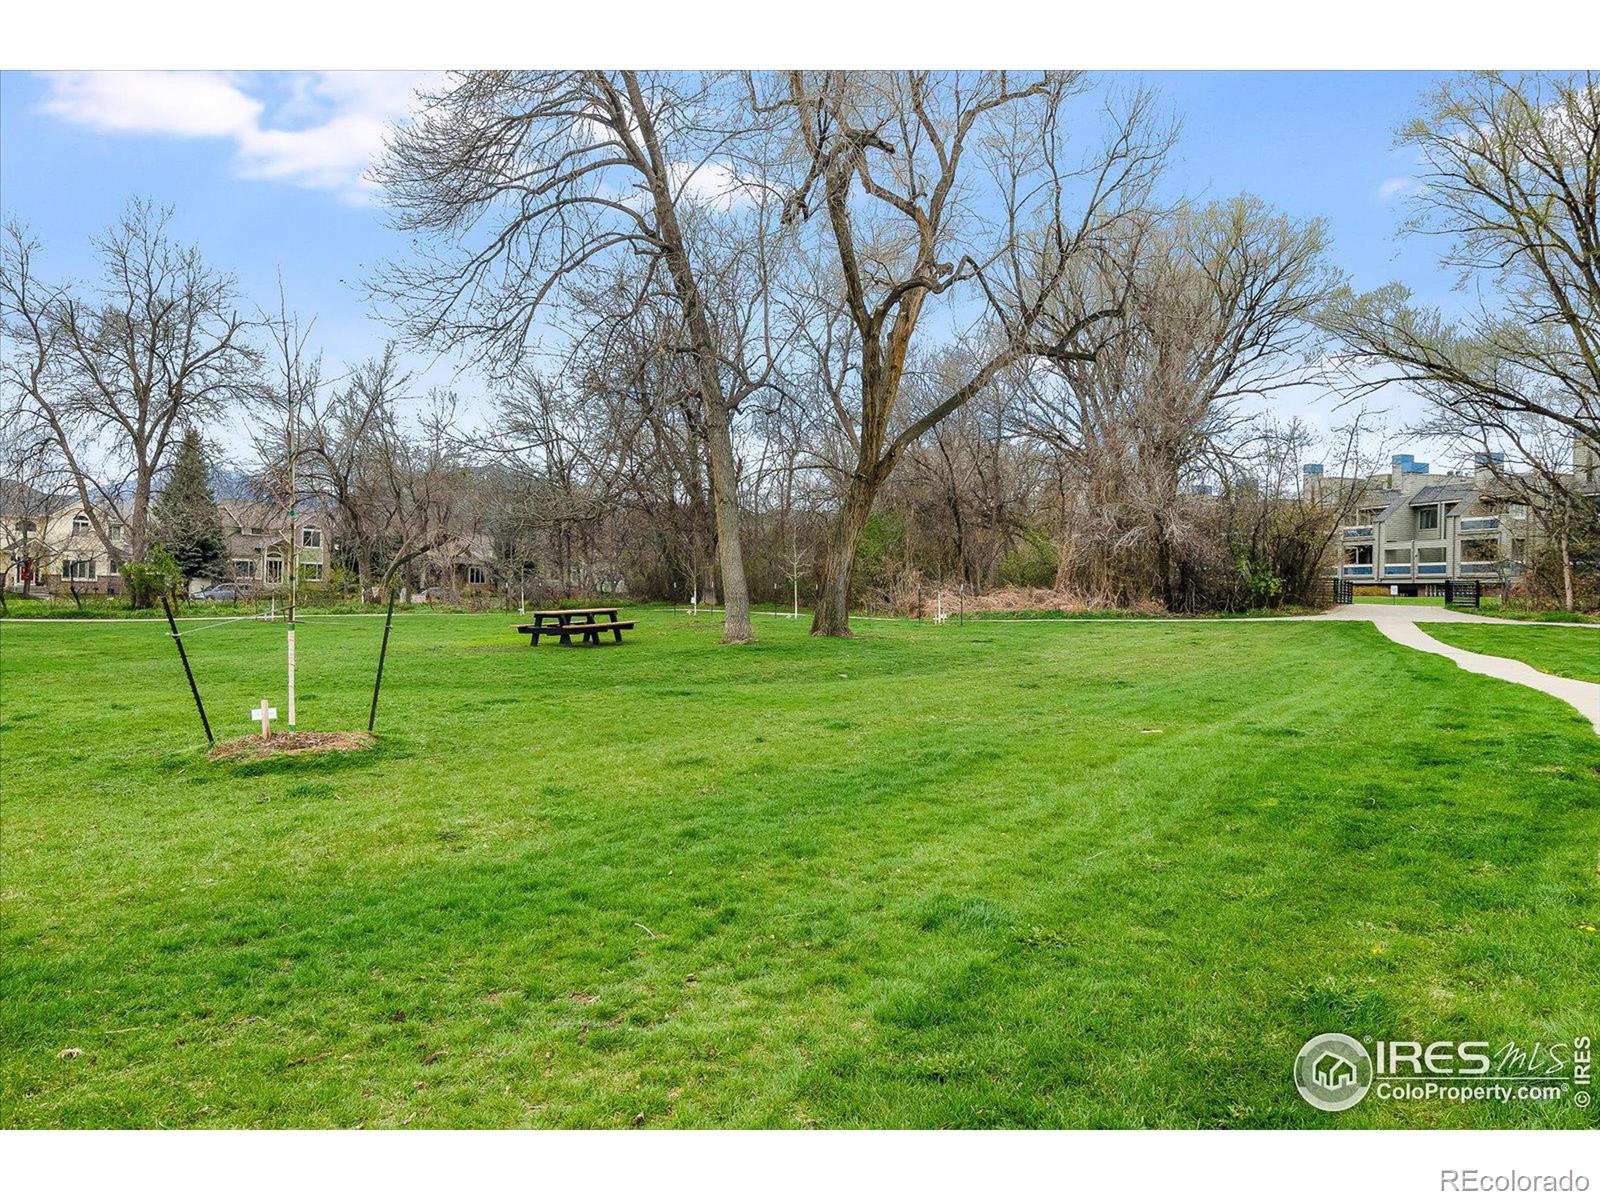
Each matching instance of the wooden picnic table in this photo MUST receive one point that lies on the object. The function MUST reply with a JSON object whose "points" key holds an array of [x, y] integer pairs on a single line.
{"points": [[564, 622]]}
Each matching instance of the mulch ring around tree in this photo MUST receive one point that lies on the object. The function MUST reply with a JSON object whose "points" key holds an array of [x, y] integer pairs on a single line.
{"points": [[305, 742]]}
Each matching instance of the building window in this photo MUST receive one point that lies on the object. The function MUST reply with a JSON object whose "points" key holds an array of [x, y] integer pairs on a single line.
{"points": [[77, 568], [1393, 557], [311, 571], [80, 523], [244, 568], [475, 574], [1428, 518], [1430, 554], [114, 529], [274, 570], [311, 538]]}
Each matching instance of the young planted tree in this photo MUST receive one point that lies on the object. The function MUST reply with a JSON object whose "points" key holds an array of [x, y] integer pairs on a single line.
{"points": [[923, 185], [187, 522], [525, 184], [116, 373]]}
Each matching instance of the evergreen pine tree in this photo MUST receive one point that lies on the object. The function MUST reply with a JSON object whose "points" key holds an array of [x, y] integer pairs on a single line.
{"points": [[186, 518]]}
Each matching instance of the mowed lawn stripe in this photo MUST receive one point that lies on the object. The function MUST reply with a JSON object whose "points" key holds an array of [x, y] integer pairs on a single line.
{"points": [[959, 885]]}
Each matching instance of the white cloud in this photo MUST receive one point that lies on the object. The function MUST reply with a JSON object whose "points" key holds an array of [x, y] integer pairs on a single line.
{"points": [[322, 131], [714, 184], [1396, 186], [182, 103]]}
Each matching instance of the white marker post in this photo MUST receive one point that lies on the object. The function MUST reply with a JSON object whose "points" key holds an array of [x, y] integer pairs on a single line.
{"points": [[266, 715]]}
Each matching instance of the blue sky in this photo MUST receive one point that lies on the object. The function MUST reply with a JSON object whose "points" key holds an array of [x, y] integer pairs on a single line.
{"points": [[264, 170]]}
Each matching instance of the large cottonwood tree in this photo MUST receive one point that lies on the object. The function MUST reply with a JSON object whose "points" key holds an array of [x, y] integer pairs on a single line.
{"points": [[965, 186], [525, 184]]}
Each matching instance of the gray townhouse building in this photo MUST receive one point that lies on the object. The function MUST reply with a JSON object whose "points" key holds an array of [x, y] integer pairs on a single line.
{"points": [[1416, 528]]}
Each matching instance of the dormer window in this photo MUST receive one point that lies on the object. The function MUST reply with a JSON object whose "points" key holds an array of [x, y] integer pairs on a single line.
{"points": [[80, 523], [1428, 518]]}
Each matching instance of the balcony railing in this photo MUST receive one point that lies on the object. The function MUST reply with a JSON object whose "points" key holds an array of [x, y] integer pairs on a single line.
{"points": [[1356, 532], [1479, 525], [1432, 568], [1357, 570], [1477, 568], [1391, 569]]}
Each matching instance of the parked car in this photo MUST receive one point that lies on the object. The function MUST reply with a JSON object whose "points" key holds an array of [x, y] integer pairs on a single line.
{"points": [[223, 591]]}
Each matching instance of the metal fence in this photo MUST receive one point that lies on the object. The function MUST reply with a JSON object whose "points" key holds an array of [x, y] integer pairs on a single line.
{"points": [[1335, 591]]}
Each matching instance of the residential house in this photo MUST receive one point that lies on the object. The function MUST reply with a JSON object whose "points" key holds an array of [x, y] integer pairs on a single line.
{"points": [[54, 544], [1415, 528], [24, 510], [258, 543], [59, 549], [461, 565]]}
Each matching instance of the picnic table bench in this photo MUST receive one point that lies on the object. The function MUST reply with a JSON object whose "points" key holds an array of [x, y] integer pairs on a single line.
{"points": [[564, 622]]}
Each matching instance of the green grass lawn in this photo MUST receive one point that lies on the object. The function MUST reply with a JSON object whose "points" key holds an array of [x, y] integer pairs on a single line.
{"points": [[1075, 874], [1574, 653], [1492, 607]]}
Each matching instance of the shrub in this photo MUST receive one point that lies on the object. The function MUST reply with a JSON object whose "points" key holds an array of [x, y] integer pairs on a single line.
{"points": [[1031, 563], [158, 575]]}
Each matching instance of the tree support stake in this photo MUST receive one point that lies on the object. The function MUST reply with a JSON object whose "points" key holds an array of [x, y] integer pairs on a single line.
{"points": [[188, 674]]}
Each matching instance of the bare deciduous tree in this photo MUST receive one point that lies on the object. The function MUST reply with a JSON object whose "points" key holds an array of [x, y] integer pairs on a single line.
{"points": [[944, 185], [116, 373], [1221, 303], [541, 178], [1509, 182]]}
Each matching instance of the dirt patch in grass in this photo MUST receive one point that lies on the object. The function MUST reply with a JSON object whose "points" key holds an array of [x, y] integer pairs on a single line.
{"points": [[256, 746]]}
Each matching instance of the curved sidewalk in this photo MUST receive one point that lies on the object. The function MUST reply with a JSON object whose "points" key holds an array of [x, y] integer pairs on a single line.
{"points": [[1398, 623]]}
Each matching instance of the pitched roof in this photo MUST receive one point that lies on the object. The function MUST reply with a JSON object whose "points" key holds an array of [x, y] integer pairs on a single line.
{"points": [[22, 499], [1392, 502], [1445, 493], [265, 514]]}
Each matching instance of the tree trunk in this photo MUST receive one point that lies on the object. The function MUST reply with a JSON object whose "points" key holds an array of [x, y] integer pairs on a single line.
{"points": [[1566, 568], [718, 412], [736, 628], [832, 615]]}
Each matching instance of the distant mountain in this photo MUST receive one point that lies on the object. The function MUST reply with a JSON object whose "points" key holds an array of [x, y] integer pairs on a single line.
{"points": [[232, 483]]}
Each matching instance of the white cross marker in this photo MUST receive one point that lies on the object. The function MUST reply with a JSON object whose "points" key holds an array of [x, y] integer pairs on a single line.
{"points": [[266, 716]]}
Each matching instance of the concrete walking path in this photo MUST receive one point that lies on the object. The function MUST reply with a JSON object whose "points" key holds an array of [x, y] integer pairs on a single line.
{"points": [[1398, 623]]}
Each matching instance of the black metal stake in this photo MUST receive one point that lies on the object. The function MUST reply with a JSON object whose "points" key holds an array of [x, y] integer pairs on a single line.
{"points": [[383, 652], [184, 658]]}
